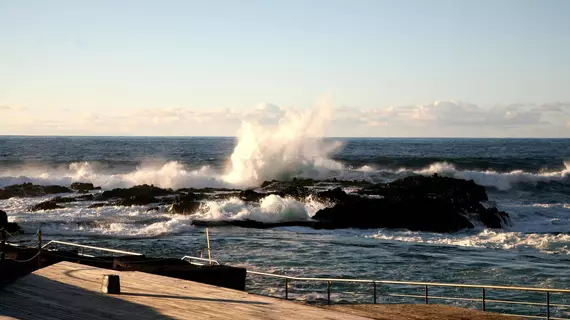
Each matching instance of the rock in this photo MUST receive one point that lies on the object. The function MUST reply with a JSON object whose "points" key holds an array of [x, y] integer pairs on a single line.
{"points": [[30, 190], [46, 205], [3, 219], [419, 203], [11, 227], [142, 190], [83, 186], [137, 200], [184, 207], [434, 186], [334, 195], [98, 205], [437, 204], [251, 196], [422, 214]]}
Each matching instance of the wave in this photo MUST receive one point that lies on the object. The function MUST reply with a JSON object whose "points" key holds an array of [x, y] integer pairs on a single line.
{"points": [[293, 148], [272, 208], [486, 238], [498, 180], [169, 175]]}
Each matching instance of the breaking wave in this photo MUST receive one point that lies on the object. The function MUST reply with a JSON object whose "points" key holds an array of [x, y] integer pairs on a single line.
{"points": [[293, 148], [498, 180]]}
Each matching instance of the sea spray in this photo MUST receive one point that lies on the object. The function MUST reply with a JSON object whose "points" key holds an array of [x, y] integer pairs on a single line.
{"points": [[271, 209], [293, 147]]}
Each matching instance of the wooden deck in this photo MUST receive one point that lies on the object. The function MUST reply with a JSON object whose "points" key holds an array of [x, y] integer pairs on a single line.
{"points": [[72, 291]]}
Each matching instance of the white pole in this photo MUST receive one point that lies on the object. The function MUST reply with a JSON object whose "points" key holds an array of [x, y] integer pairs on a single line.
{"points": [[208, 239]]}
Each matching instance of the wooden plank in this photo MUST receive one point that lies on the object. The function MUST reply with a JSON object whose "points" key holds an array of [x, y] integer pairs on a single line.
{"points": [[72, 291]]}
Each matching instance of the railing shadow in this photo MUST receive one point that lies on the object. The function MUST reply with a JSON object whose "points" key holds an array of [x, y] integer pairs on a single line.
{"points": [[38, 297]]}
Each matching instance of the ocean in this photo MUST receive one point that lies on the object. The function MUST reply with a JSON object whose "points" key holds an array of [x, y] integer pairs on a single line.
{"points": [[528, 178]]}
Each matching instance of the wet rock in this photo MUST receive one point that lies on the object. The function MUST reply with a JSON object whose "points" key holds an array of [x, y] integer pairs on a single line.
{"points": [[137, 200], [87, 197], [251, 195], [184, 207], [11, 227], [98, 205], [46, 205], [83, 186], [432, 187], [334, 195], [422, 214], [142, 190], [30, 190], [437, 204], [419, 203]]}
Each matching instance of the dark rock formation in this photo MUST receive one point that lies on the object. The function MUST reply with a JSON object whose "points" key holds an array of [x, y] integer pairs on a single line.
{"points": [[83, 186], [8, 226], [98, 205], [30, 190], [137, 200], [142, 190], [184, 207], [436, 204], [46, 205]]}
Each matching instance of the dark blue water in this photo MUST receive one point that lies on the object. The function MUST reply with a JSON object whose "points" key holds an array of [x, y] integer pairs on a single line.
{"points": [[529, 178]]}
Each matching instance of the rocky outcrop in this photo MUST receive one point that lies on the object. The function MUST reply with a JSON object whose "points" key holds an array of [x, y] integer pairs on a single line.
{"points": [[184, 207], [11, 227], [31, 190], [136, 191], [438, 204], [83, 187], [435, 204], [46, 205]]}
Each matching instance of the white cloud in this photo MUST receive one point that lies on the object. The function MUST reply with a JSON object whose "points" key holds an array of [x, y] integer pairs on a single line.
{"points": [[439, 118]]}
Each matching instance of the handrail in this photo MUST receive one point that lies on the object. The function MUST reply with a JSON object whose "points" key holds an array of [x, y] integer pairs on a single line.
{"points": [[426, 296], [432, 284], [90, 247], [209, 261]]}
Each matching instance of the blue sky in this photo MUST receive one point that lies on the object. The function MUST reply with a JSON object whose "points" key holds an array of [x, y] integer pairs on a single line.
{"points": [[388, 68]]}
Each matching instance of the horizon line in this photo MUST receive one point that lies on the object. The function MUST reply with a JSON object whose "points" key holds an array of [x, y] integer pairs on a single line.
{"points": [[234, 137]]}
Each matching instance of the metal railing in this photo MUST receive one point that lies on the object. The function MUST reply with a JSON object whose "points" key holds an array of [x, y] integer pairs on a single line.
{"points": [[70, 244], [426, 297], [200, 261]]}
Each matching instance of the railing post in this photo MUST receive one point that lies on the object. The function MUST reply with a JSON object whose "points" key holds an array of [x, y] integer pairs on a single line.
{"points": [[286, 288], [547, 305], [426, 295], [374, 284], [39, 248], [329, 292], [483, 301], [3, 246]]}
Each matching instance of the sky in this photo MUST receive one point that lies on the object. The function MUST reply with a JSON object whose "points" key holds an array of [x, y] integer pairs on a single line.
{"points": [[401, 68]]}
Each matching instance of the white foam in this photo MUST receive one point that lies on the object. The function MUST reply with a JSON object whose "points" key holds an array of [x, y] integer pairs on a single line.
{"points": [[172, 174], [271, 209], [547, 243], [499, 180]]}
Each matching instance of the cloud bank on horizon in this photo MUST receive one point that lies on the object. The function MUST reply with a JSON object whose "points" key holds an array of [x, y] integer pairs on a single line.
{"points": [[447, 118]]}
